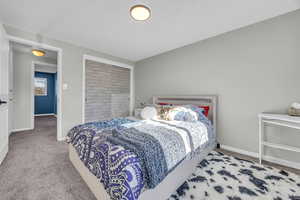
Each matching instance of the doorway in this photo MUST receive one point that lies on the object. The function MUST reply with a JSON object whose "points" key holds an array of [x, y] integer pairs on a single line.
{"points": [[45, 94], [31, 91], [45, 89]]}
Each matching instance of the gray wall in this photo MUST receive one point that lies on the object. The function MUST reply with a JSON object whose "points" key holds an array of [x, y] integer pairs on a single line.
{"points": [[45, 68], [22, 92], [72, 63], [107, 91], [254, 69]]}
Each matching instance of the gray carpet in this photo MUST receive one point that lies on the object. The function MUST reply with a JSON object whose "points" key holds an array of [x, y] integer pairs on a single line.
{"points": [[37, 167]]}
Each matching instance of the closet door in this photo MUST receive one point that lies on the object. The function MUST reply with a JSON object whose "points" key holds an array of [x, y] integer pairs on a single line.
{"points": [[107, 90]]}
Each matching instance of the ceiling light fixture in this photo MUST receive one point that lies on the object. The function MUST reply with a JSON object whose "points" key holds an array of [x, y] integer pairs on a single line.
{"points": [[140, 12], [38, 52]]}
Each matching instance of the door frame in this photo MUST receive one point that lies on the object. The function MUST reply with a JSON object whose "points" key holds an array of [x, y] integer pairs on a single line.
{"points": [[59, 76], [109, 62], [32, 89]]}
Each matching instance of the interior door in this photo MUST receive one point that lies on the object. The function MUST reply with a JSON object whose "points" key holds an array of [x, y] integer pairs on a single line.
{"points": [[4, 74], [11, 91]]}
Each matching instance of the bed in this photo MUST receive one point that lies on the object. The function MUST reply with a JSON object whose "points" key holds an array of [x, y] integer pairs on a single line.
{"points": [[125, 179]]}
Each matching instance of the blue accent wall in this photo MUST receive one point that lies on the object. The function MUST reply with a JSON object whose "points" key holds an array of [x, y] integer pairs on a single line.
{"points": [[46, 104]]}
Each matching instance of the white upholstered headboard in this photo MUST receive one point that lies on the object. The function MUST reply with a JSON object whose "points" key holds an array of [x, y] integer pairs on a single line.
{"points": [[198, 100]]}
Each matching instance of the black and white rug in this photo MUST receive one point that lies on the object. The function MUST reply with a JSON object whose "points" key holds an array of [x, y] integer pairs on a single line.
{"points": [[222, 177]]}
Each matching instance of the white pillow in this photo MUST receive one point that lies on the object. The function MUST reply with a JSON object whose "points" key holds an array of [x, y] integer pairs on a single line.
{"points": [[148, 112]]}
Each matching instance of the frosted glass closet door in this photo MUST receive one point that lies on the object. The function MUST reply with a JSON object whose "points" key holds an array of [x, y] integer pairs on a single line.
{"points": [[107, 90]]}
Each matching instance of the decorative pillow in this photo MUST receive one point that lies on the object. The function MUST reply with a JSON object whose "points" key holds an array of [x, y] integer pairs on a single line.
{"points": [[199, 111], [149, 113], [164, 104], [182, 113], [163, 111], [205, 110]]}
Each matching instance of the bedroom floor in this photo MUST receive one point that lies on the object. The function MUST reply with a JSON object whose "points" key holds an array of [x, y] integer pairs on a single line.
{"points": [[37, 167]]}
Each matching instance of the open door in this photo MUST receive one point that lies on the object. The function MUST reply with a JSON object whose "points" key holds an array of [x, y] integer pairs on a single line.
{"points": [[4, 62]]}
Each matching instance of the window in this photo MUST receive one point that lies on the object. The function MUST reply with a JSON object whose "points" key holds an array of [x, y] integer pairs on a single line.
{"points": [[40, 87]]}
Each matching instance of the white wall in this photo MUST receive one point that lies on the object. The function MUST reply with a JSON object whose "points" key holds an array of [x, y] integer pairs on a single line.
{"points": [[45, 68], [72, 66], [22, 88], [255, 69]]}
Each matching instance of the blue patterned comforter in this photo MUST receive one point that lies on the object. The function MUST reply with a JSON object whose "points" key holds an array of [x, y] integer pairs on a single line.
{"points": [[120, 170], [116, 168], [161, 145]]}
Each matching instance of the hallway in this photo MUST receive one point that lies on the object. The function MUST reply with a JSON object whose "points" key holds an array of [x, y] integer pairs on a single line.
{"points": [[37, 167]]}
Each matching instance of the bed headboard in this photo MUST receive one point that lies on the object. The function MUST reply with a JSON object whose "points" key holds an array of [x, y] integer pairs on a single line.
{"points": [[198, 100]]}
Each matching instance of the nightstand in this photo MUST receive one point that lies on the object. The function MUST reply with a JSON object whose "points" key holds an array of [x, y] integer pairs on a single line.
{"points": [[279, 120]]}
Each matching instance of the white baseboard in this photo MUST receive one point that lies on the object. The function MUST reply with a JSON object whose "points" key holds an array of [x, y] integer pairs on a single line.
{"points": [[46, 114], [21, 129], [272, 159], [3, 152], [241, 151], [279, 161], [61, 139]]}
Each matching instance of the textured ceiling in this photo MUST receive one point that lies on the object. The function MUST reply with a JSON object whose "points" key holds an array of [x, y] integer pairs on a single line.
{"points": [[106, 26]]}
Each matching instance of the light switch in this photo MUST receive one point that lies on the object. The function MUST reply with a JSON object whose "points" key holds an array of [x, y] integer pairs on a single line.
{"points": [[65, 86]]}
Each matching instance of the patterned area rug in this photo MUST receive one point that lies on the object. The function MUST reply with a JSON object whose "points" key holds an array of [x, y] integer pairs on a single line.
{"points": [[222, 177]]}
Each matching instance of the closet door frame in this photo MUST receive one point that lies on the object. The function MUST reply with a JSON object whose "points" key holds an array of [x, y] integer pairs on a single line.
{"points": [[109, 62]]}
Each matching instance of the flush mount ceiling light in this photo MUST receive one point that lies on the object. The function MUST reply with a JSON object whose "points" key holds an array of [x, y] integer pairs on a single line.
{"points": [[140, 12], [38, 52]]}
